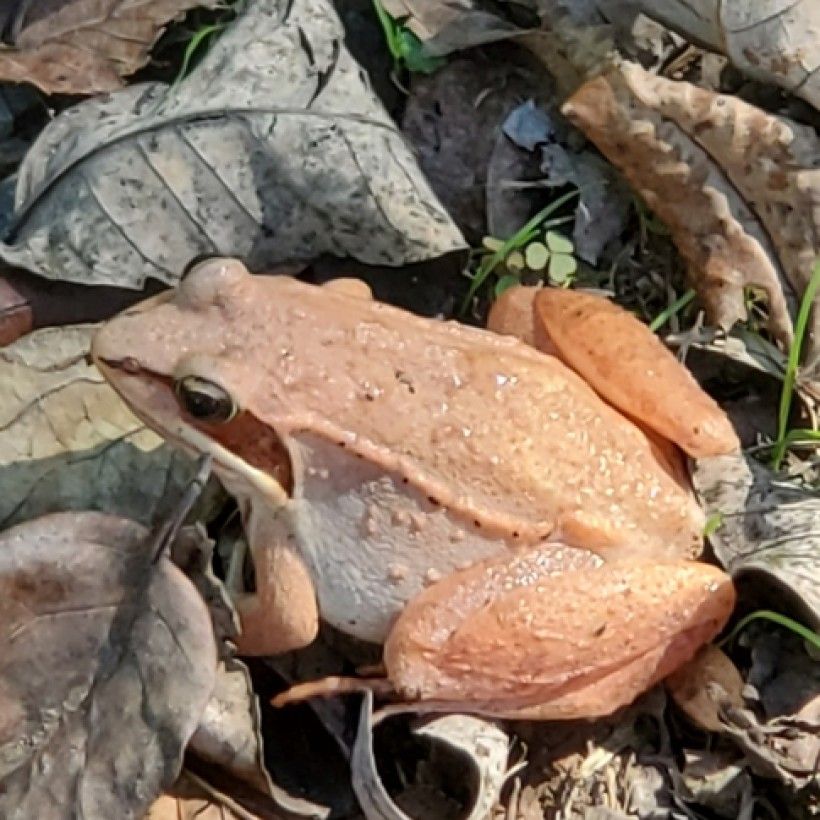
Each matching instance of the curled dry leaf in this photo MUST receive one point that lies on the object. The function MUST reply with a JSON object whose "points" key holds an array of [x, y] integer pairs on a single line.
{"points": [[68, 442], [83, 46], [768, 529], [228, 739], [273, 149], [776, 42], [107, 661], [481, 741], [738, 188], [705, 685]]}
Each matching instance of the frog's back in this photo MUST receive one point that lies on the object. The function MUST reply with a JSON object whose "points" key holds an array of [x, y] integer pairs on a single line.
{"points": [[486, 426], [502, 436]]}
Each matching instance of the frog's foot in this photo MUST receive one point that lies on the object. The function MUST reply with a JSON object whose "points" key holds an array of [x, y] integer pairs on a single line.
{"points": [[330, 686], [283, 614], [551, 632]]}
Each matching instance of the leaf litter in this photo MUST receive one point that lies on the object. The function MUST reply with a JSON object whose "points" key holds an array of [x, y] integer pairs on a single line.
{"points": [[108, 660], [82, 46], [240, 158], [206, 159]]}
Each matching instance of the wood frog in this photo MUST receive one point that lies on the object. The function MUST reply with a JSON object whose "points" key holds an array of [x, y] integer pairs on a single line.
{"points": [[521, 547]]}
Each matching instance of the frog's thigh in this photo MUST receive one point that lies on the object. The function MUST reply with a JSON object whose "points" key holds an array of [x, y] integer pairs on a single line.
{"points": [[283, 614], [550, 632]]}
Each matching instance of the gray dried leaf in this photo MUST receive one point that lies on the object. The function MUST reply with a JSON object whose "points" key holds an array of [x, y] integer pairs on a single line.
{"points": [[83, 46], [774, 42], [481, 741], [445, 27], [717, 780], [229, 737], [107, 662], [769, 528], [228, 732], [274, 149], [68, 442], [604, 202]]}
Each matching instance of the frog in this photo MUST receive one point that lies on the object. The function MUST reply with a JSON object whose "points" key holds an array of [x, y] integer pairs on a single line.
{"points": [[520, 541]]}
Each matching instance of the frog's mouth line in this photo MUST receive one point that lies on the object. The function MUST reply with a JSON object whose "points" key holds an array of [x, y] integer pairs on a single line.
{"points": [[167, 420]]}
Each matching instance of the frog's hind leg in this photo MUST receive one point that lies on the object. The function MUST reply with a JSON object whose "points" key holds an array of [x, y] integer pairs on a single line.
{"points": [[552, 632]]}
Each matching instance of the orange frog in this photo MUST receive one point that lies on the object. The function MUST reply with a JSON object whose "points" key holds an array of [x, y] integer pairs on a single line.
{"points": [[520, 546]]}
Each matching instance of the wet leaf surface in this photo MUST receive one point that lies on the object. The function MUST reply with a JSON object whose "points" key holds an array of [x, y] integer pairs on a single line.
{"points": [[273, 149], [82, 46], [108, 660]]}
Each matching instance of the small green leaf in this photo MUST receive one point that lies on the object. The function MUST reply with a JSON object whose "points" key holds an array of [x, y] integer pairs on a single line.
{"points": [[413, 55], [558, 243], [561, 267], [492, 244], [713, 523], [505, 283], [515, 261], [536, 256]]}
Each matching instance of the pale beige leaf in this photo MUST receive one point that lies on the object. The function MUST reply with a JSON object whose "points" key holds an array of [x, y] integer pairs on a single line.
{"points": [[84, 46], [775, 41], [191, 800], [68, 442], [481, 742], [738, 188]]}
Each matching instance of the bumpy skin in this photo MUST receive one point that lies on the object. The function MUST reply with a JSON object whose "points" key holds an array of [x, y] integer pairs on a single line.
{"points": [[622, 360], [376, 454]]}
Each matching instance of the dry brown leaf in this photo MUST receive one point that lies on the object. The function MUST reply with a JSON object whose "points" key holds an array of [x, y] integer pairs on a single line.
{"points": [[190, 801], [84, 46], [107, 659], [68, 442], [702, 686], [738, 188]]}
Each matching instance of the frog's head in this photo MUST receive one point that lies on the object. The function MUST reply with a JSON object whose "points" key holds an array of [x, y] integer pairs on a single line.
{"points": [[182, 361]]}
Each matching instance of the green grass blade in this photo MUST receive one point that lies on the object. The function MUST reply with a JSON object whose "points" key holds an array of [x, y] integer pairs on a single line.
{"points": [[790, 378], [190, 49], [804, 632], [391, 31], [517, 240], [665, 315]]}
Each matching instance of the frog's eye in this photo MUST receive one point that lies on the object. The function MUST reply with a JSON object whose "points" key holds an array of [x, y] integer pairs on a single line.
{"points": [[204, 400]]}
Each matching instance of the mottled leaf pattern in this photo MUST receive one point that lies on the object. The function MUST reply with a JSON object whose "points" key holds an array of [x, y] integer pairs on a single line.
{"points": [[274, 149]]}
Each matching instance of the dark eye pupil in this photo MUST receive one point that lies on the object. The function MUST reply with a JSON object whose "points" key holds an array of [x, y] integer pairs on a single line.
{"points": [[205, 401]]}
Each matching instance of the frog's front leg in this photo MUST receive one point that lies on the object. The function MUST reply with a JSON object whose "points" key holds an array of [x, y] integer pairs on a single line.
{"points": [[552, 632], [283, 613]]}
